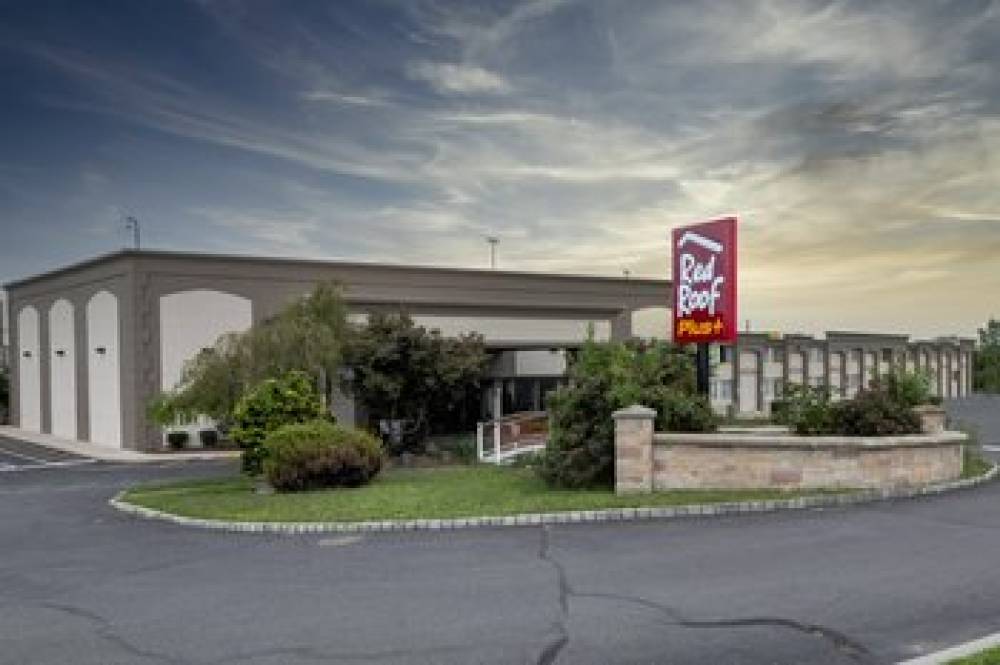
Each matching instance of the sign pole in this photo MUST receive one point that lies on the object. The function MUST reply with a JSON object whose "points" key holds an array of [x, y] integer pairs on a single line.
{"points": [[701, 360]]}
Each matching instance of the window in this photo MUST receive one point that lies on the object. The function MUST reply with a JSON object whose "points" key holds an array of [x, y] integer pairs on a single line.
{"points": [[725, 354], [887, 355], [722, 390], [816, 355]]}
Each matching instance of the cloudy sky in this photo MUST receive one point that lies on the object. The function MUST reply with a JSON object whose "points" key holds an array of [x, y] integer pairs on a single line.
{"points": [[858, 142]]}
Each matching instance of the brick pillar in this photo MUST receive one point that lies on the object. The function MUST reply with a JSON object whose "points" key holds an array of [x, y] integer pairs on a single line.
{"points": [[634, 449]]}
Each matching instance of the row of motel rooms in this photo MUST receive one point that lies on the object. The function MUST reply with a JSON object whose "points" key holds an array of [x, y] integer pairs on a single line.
{"points": [[842, 362]]}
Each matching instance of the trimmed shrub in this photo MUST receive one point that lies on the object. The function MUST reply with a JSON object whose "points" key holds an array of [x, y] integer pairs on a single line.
{"points": [[320, 454], [873, 413], [807, 410], [682, 412], [178, 439], [268, 406], [908, 388]]}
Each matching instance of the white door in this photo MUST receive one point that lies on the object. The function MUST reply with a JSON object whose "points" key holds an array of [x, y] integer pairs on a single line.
{"points": [[62, 369], [29, 386], [104, 377]]}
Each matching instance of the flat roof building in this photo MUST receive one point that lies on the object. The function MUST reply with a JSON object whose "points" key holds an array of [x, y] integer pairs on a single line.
{"points": [[96, 341]]}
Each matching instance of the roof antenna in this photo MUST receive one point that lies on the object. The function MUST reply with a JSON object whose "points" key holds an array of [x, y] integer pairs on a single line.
{"points": [[132, 224]]}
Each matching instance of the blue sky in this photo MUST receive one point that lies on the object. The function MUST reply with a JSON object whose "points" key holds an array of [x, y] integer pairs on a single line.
{"points": [[859, 142]]}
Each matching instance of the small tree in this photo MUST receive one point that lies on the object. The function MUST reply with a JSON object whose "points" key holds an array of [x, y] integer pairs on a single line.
{"points": [[401, 371], [987, 364], [272, 404]]}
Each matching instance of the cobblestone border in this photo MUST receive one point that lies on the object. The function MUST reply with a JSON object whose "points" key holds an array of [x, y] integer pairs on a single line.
{"points": [[567, 517]]}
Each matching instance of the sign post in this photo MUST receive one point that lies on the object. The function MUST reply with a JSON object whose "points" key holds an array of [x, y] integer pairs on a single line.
{"points": [[704, 280]]}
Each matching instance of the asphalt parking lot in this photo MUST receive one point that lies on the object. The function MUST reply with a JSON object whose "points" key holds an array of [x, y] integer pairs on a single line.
{"points": [[16, 455], [83, 584]]}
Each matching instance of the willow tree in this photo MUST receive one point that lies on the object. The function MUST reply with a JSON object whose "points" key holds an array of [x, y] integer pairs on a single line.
{"points": [[307, 336]]}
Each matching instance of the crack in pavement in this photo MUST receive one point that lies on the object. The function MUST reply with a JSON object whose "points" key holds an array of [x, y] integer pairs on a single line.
{"points": [[106, 630], [552, 649], [851, 648]]}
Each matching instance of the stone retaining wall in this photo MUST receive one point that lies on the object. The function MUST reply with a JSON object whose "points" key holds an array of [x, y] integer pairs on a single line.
{"points": [[646, 461]]}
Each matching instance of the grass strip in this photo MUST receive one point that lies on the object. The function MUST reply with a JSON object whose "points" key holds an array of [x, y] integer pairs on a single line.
{"points": [[437, 493]]}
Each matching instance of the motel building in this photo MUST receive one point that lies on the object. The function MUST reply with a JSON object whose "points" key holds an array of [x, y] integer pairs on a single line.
{"points": [[745, 378], [89, 345]]}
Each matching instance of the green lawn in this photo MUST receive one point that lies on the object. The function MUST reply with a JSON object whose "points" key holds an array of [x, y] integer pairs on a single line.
{"points": [[459, 491], [988, 657], [974, 464]]}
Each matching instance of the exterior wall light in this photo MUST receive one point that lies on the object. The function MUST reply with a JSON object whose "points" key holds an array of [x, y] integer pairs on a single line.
{"points": [[60, 352], [26, 354], [101, 350]]}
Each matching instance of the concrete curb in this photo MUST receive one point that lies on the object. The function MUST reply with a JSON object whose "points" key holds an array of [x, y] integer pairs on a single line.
{"points": [[956, 652], [568, 517]]}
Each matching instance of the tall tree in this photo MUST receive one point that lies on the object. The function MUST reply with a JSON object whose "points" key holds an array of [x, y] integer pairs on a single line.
{"points": [[987, 365]]}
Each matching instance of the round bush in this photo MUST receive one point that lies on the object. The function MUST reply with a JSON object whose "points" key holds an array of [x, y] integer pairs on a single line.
{"points": [[319, 454], [873, 413]]}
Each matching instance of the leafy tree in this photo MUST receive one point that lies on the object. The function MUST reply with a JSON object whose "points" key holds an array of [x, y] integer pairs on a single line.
{"points": [[603, 378], [401, 371], [307, 336], [986, 377]]}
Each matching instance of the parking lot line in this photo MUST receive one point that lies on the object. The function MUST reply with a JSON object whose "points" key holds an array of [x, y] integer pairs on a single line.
{"points": [[12, 453], [4, 466]]}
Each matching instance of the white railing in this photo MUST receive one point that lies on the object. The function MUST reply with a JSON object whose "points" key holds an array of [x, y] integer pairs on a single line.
{"points": [[499, 441]]}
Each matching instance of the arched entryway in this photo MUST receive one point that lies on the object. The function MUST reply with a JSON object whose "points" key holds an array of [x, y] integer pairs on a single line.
{"points": [[104, 375], [62, 369], [29, 386]]}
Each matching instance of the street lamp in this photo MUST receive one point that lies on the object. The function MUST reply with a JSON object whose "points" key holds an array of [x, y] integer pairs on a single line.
{"points": [[493, 241]]}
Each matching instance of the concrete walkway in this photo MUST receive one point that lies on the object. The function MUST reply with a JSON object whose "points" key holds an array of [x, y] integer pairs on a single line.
{"points": [[107, 454]]}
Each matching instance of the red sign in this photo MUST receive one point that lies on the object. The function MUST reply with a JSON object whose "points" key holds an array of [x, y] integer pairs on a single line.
{"points": [[705, 282]]}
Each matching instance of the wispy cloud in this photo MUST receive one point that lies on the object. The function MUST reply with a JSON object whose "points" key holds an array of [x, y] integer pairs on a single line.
{"points": [[859, 143], [452, 78]]}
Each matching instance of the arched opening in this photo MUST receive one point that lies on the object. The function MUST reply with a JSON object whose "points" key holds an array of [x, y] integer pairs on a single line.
{"points": [[62, 369], [29, 386], [194, 320], [104, 373]]}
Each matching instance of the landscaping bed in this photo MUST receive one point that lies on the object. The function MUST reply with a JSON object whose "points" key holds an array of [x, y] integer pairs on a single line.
{"points": [[399, 493]]}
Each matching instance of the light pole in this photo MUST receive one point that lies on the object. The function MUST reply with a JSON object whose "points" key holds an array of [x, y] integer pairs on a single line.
{"points": [[493, 241]]}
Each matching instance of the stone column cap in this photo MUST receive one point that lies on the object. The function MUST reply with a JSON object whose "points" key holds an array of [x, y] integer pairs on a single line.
{"points": [[635, 412]]}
